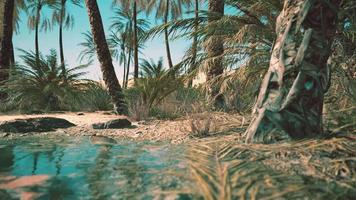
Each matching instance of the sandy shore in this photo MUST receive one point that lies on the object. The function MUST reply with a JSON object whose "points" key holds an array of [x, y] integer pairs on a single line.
{"points": [[175, 131]]}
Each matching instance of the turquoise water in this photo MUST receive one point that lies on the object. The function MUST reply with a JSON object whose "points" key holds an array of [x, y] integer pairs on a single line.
{"points": [[78, 169]]}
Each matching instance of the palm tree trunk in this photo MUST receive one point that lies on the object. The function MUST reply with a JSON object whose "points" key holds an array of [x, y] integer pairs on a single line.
{"points": [[124, 75], [12, 57], [104, 57], [215, 51], [128, 67], [195, 42], [6, 41], [166, 36], [61, 50], [291, 97], [135, 40], [37, 50]]}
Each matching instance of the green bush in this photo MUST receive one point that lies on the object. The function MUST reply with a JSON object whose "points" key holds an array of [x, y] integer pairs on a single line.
{"points": [[43, 84], [96, 98]]}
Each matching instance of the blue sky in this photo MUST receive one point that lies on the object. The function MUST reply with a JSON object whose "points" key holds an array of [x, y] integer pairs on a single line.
{"points": [[154, 48]]}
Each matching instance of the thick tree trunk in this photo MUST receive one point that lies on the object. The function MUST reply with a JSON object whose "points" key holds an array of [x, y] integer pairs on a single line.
{"points": [[166, 36], [135, 41], [291, 96], [215, 50], [195, 42], [104, 57], [61, 50], [6, 30]]}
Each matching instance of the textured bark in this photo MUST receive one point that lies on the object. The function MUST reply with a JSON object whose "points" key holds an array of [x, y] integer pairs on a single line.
{"points": [[6, 41], [291, 96], [104, 57], [215, 50], [135, 40], [195, 42], [166, 36], [61, 50]]}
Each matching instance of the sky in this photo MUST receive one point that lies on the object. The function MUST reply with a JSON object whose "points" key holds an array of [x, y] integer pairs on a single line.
{"points": [[49, 40]]}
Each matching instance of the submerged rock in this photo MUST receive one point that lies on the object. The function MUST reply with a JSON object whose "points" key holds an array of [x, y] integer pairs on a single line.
{"points": [[44, 124], [113, 124], [102, 140]]}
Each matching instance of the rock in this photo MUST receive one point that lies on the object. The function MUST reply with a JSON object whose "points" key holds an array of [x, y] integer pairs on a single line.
{"points": [[80, 114], [118, 123], [113, 124], [98, 126], [102, 140], [44, 124]]}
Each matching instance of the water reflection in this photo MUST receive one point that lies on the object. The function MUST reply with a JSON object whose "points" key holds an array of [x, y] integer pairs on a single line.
{"points": [[6, 158], [79, 169]]}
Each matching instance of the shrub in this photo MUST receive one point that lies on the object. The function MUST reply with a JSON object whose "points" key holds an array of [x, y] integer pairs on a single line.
{"points": [[43, 84], [96, 97], [151, 89]]}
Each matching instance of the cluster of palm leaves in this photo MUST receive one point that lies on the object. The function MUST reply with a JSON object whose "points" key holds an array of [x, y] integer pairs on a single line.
{"points": [[44, 84], [155, 84]]}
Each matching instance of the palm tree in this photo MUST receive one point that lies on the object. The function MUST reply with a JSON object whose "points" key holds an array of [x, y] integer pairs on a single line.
{"points": [[7, 11], [89, 52], [215, 50], [156, 82], [134, 6], [65, 21], [122, 37], [35, 8], [292, 92], [104, 57], [118, 41], [194, 48], [164, 10], [43, 84], [20, 5]]}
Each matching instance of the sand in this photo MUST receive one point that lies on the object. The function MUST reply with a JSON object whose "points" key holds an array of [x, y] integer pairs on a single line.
{"points": [[174, 131]]}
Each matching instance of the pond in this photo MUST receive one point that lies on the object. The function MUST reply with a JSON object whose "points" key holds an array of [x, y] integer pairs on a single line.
{"points": [[57, 167], [75, 168]]}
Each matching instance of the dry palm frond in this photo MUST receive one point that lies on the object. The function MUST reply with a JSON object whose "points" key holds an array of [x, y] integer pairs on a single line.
{"points": [[312, 169]]}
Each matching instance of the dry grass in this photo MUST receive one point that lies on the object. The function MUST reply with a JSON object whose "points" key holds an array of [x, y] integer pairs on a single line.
{"points": [[224, 168]]}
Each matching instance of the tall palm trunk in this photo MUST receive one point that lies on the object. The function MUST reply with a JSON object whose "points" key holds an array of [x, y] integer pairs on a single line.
{"points": [[195, 42], [124, 75], [37, 24], [215, 50], [128, 67], [291, 96], [166, 36], [6, 41], [104, 57], [135, 40], [61, 50]]}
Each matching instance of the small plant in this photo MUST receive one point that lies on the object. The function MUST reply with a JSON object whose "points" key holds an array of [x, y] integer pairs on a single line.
{"points": [[96, 98], [200, 124]]}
